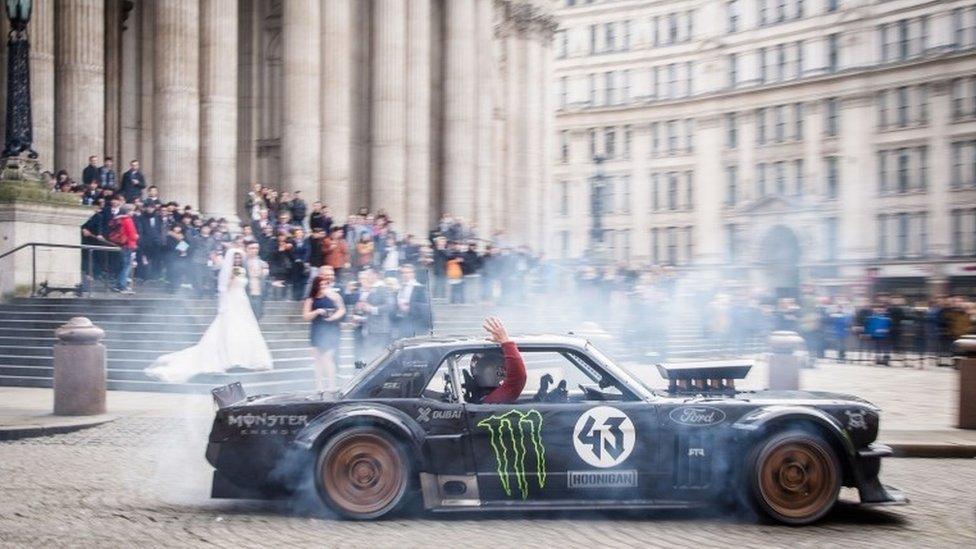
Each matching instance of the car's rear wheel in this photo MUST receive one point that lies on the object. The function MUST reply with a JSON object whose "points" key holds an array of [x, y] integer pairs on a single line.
{"points": [[363, 473], [794, 477]]}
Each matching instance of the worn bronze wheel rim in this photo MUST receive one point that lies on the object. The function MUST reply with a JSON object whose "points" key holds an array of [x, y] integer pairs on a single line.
{"points": [[797, 479], [363, 474]]}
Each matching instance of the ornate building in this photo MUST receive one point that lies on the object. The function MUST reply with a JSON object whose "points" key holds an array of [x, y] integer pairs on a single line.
{"points": [[773, 142], [416, 107]]}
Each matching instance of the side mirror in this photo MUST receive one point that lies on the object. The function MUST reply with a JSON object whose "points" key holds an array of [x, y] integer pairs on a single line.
{"points": [[360, 364]]}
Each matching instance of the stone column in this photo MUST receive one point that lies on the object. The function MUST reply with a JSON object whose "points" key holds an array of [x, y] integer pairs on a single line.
{"points": [[176, 101], [486, 92], [938, 198], [336, 157], [80, 92], [388, 153], [300, 137], [547, 124], [41, 31], [533, 139], [418, 215], [218, 107], [113, 79], [708, 205], [460, 109]]}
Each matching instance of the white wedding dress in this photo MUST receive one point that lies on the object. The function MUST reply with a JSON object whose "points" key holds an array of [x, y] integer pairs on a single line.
{"points": [[233, 339]]}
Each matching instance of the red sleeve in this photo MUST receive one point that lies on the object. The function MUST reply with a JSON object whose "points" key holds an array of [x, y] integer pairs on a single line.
{"points": [[515, 377], [131, 234]]}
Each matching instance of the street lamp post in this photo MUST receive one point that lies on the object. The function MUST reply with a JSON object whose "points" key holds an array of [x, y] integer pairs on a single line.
{"points": [[20, 129], [597, 184]]}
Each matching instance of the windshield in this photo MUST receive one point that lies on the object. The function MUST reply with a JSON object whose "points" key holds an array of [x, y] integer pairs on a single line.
{"points": [[366, 371], [635, 384]]}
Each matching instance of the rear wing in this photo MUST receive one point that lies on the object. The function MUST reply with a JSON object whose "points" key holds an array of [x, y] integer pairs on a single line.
{"points": [[228, 394]]}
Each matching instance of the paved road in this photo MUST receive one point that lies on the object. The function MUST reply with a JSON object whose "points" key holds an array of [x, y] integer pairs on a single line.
{"points": [[142, 480]]}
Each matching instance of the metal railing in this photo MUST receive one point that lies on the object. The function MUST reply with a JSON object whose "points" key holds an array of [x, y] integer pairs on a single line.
{"points": [[85, 248]]}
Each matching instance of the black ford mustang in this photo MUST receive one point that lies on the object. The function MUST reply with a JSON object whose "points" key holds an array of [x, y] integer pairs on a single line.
{"points": [[584, 433]]}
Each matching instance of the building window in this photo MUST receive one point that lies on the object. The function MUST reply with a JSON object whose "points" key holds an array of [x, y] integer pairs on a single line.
{"points": [[830, 239], [761, 126], [672, 136], [798, 177], [689, 135], [761, 7], [832, 177], [957, 91], [610, 142], [781, 62], [609, 37], [923, 104], [731, 131], [564, 198], [672, 28], [689, 190], [923, 168], [592, 81], [799, 58], [628, 140], [655, 192], [882, 172], [563, 90], [955, 224], [963, 164], [882, 109], [833, 52], [655, 246], [689, 245], [591, 138], [672, 191], [779, 173], [761, 55], [564, 146], [610, 88], [690, 26], [562, 44], [832, 5], [780, 123], [564, 244], [902, 235], [672, 81], [626, 44], [833, 116], [625, 86], [733, 64], [672, 236], [731, 185], [882, 236], [592, 39], [655, 31], [624, 194], [904, 44], [732, 13], [798, 121], [731, 241], [760, 180], [690, 83], [902, 98], [902, 173]]}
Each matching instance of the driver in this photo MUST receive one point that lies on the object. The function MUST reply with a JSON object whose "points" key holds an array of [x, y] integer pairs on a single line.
{"points": [[502, 372]]}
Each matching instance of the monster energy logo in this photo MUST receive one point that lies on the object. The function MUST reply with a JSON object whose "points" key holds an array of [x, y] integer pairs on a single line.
{"points": [[508, 433]]}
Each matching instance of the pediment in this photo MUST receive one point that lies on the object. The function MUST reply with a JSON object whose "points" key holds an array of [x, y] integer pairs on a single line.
{"points": [[771, 204]]}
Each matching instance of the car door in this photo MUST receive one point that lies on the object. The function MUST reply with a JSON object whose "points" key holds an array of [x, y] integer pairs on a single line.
{"points": [[585, 448]]}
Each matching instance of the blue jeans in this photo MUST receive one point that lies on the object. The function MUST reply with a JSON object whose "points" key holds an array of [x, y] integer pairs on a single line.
{"points": [[125, 256]]}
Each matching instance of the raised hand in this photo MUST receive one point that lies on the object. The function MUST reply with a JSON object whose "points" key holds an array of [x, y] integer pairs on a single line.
{"points": [[496, 330]]}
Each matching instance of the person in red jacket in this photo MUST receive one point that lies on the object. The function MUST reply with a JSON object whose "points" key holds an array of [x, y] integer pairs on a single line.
{"points": [[123, 233], [504, 371]]}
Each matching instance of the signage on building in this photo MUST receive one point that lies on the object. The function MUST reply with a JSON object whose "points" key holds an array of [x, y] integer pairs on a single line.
{"points": [[904, 271], [960, 269]]}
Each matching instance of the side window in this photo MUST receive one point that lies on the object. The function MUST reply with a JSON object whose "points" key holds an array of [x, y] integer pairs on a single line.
{"points": [[441, 386], [551, 376]]}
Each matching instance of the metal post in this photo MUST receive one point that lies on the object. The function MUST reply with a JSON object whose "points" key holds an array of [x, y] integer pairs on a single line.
{"points": [[33, 270], [966, 364], [90, 281], [79, 369]]}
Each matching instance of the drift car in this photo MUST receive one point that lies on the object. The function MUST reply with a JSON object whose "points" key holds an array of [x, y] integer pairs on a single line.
{"points": [[584, 433]]}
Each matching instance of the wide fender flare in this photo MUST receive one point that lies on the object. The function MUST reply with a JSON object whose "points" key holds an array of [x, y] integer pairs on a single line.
{"points": [[767, 416], [386, 417]]}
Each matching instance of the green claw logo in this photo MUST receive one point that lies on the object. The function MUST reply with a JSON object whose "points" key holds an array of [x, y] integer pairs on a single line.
{"points": [[508, 433]]}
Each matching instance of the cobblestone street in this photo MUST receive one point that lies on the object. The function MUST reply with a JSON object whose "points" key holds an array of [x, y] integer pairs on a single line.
{"points": [[143, 480]]}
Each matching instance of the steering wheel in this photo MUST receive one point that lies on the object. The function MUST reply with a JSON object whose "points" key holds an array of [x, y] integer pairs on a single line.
{"points": [[589, 393], [559, 394]]}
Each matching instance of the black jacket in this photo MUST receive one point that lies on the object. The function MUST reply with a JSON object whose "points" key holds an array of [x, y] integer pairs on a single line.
{"points": [[91, 173], [133, 183], [151, 235]]}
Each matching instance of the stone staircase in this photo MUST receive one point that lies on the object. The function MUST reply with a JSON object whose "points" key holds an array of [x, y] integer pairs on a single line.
{"points": [[140, 328]]}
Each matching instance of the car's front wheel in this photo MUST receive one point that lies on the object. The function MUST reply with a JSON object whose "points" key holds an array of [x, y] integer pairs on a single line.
{"points": [[363, 473], [794, 477]]}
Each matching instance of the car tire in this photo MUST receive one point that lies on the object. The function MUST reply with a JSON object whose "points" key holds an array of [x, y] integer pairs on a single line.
{"points": [[363, 473], [793, 477]]}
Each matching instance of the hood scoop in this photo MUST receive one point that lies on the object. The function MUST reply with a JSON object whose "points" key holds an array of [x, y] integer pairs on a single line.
{"points": [[704, 377]]}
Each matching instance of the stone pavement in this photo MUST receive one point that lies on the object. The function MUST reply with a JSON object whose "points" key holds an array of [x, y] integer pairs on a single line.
{"points": [[142, 480]]}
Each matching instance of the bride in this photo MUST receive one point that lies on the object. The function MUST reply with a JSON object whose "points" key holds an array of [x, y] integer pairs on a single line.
{"points": [[233, 339]]}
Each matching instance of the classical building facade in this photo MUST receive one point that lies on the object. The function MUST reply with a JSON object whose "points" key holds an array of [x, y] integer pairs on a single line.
{"points": [[415, 107], [772, 141]]}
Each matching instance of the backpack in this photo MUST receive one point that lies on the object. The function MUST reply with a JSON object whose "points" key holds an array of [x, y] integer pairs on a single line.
{"points": [[116, 234]]}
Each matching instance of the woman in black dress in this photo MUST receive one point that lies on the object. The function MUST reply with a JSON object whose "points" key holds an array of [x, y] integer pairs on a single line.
{"points": [[324, 309]]}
